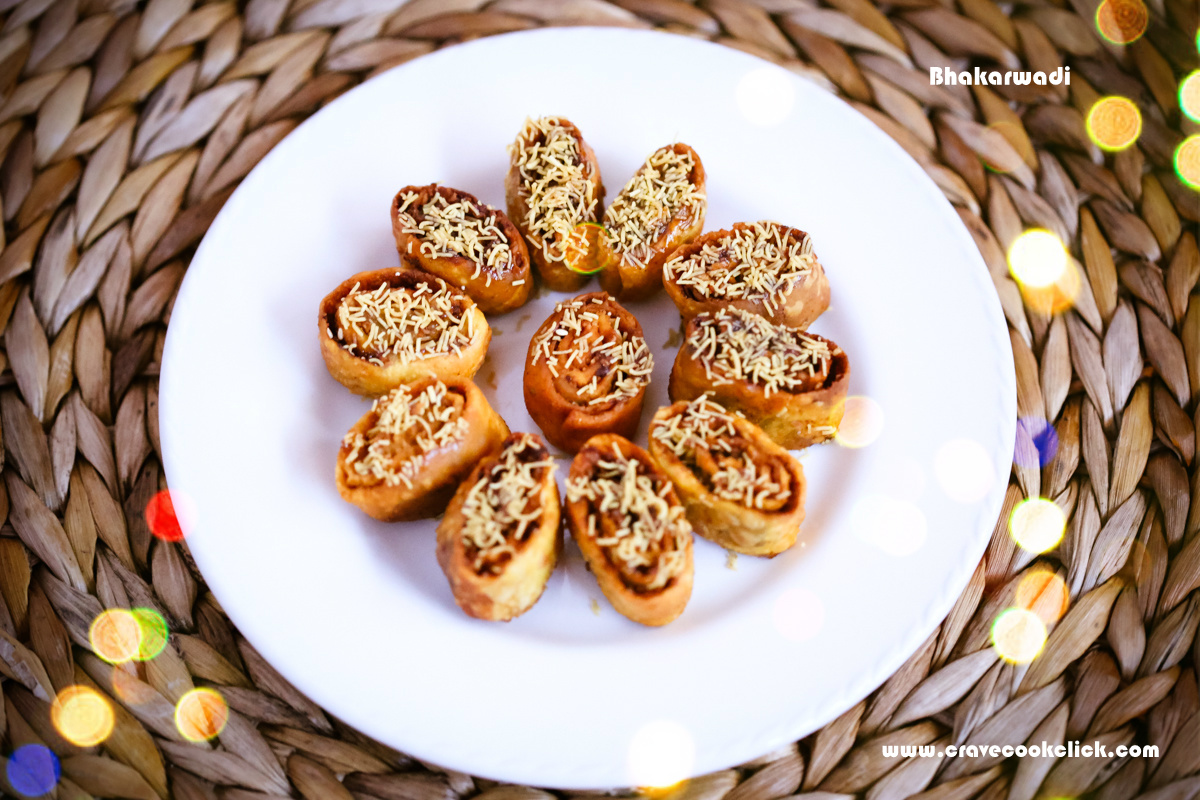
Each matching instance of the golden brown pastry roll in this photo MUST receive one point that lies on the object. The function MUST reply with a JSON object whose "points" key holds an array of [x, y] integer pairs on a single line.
{"points": [[740, 489], [661, 208], [553, 186], [405, 457], [790, 383], [631, 529], [499, 542], [762, 267], [586, 371], [471, 245], [384, 328]]}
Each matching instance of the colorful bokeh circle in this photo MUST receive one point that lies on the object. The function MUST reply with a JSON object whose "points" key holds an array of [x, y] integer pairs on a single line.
{"points": [[33, 770], [170, 515], [201, 715], [1189, 96], [584, 250], [1114, 123], [1037, 258], [154, 632], [1187, 161], [1122, 21], [1018, 635], [82, 716], [1037, 524], [115, 636]]}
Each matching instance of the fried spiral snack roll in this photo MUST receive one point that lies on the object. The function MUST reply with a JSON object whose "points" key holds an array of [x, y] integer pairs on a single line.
{"points": [[405, 457], [631, 529], [661, 208], [553, 185], [762, 267], [586, 371], [384, 328], [499, 542], [471, 245], [790, 383], [739, 489]]}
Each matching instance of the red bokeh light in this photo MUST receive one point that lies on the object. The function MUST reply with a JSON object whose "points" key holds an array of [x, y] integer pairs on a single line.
{"points": [[161, 517]]}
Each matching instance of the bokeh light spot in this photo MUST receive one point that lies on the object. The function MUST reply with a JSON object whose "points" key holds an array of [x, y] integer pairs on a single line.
{"points": [[661, 754], [897, 527], [1189, 96], [1018, 635], [1114, 123], [170, 515], [1044, 593], [799, 614], [1037, 524], [585, 249], [861, 424], [1037, 258], [82, 716], [1043, 440], [1187, 161], [1122, 21], [765, 96], [154, 632], [33, 770], [964, 470], [115, 636], [201, 715]]}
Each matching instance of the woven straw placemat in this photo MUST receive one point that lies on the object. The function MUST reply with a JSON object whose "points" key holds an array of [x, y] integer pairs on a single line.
{"points": [[124, 128]]}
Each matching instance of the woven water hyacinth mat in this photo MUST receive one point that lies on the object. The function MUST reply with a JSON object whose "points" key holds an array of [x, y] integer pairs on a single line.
{"points": [[123, 130]]}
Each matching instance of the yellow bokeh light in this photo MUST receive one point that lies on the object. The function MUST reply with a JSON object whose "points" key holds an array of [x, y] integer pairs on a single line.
{"points": [[1189, 96], [82, 716], [1122, 21], [1187, 161], [1044, 593], [861, 424], [661, 755], [1114, 123], [1037, 524], [964, 470], [115, 636], [1018, 635], [201, 715], [1037, 258]]}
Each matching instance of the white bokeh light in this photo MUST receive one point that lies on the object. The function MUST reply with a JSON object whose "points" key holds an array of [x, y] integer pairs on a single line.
{"points": [[765, 96], [662, 753]]}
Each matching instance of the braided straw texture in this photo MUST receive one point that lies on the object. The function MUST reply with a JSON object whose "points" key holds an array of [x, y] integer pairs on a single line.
{"points": [[123, 129]]}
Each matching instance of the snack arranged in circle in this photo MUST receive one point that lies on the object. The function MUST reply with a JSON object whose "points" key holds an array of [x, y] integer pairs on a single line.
{"points": [[406, 456], [739, 489], [499, 541], [762, 267], [553, 186], [792, 384], [623, 513], [661, 207], [586, 371], [383, 328], [473, 246]]}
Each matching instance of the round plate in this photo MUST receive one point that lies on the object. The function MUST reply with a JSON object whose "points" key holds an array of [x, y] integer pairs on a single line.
{"points": [[357, 614]]}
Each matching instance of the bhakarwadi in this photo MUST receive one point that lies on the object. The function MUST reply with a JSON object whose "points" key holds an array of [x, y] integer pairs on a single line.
{"points": [[471, 245], [586, 371], [739, 489], [631, 529], [383, 328], [661, 207], [553, 186], [762, 267], [499, 541], [406, 456], [792, 384]]}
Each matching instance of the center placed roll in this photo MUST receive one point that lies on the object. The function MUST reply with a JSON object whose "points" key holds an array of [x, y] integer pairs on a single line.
{"points": [[586, 371]]}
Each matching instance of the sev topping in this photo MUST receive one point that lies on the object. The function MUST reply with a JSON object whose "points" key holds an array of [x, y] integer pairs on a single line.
{"points": [[402, 323], [644, 535], [593, 361], [554, 185], [659, 192], [705, 438], [759, 264], [461, 228], [407, 428], [502, 508], [732, 344]]}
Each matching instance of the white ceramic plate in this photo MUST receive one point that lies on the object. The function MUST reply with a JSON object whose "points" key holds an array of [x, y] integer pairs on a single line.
{"points": [[357, 614]]}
